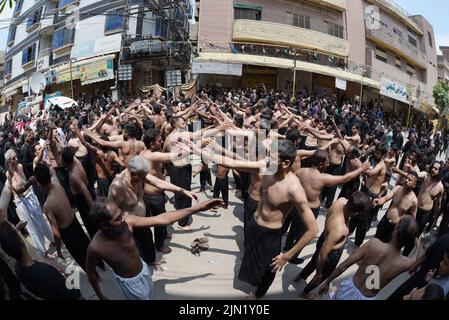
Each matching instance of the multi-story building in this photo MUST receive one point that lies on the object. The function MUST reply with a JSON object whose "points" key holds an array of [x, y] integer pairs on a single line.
{"points": [[345, 47], [443, 65], [2, 99], [78, 44]]}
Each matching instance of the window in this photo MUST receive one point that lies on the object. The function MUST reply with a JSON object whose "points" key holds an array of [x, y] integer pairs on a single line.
{"points": [[114, 20], [64, 3], [63, 37], [335, 30], [398, 32], [383, 24], [150, 77], [298, 20], [430, 39], [412, 41], [8, 67], [19, 4], [34, 18], [410, 70], [161, 28], [28, 54], [381, 55], [247, 13], [11, 35], [398, 62]]}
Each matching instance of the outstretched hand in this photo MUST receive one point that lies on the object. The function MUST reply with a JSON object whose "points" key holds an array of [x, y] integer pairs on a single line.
{"points": [[279, 262], [209, 204]]}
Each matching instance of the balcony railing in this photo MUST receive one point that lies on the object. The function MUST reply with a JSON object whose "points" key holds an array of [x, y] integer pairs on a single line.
{"points": [[44, 53], [262, 32], [398, 45], [305, 56]]}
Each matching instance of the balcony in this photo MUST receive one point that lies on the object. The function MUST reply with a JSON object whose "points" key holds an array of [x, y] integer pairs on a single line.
{"points": [[44, 59], [386, 38], [47, 26], [262, 32], [398, 12], [143, 47]]}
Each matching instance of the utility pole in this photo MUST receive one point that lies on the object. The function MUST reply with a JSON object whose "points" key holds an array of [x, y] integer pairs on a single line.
{"points": [[294, 77], [71, 78]]}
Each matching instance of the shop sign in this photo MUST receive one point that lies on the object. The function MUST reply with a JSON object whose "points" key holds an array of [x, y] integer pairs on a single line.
{"points": [[217, 68], [96, 71], [393, 90]]}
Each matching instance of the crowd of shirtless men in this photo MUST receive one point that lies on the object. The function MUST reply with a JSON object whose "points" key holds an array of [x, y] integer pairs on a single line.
{"points": [[289, 160]]}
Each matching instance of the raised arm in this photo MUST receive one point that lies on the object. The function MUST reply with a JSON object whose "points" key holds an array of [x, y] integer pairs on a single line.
{"points": [[168, 218], [332, 181], [167, 186], [381, 201], [91, 263]]}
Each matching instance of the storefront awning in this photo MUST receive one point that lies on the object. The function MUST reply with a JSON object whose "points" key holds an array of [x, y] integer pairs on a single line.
{"points": [[247, 6], [285, 64]]}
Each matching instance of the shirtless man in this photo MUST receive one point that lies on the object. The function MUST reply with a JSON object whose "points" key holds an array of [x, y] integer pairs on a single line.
{"points": [[127, 191], [28, 208], [404, 203], [336, 155], [374, 186], [154, 197], [390, 162], [104, 159], [333, 240], [429, 198], [279, 192], [115, 244], [79, 187], [354, 140], [386, 257], [314, 181], [158, 117], [181, 168], [128, 147], [64, 224]]}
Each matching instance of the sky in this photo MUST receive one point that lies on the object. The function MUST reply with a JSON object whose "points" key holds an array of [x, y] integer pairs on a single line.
{"points": [[436, 11]]}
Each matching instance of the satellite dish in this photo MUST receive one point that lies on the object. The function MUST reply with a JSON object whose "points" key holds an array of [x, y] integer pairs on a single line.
{"points": [[38, 82]]}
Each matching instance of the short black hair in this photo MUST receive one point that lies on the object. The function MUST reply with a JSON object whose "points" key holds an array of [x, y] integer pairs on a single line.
{"points": [[42, 174], [150, 137], [293, 134], [265, 125], [407, 230], [358, 202], [10, 240], [434, 292], [67, 155], [148, 124], [131, 130], [157, 108], [320, 156], [99, 213], [173, 121], [238, 120], [287, 151], [382, 148]]}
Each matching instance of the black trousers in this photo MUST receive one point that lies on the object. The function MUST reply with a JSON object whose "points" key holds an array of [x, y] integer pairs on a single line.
{"points": [[250, 207], [349, 188], [297, 229], [385, 229], [362, 222], [422, 219], [182, 177], [444, 224], [246, 181], [330, 265], [155, 205], [415, 281], [90, 170], [328, 193], [222, 186], [103, 187], [145, 244], [205, 176]]}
